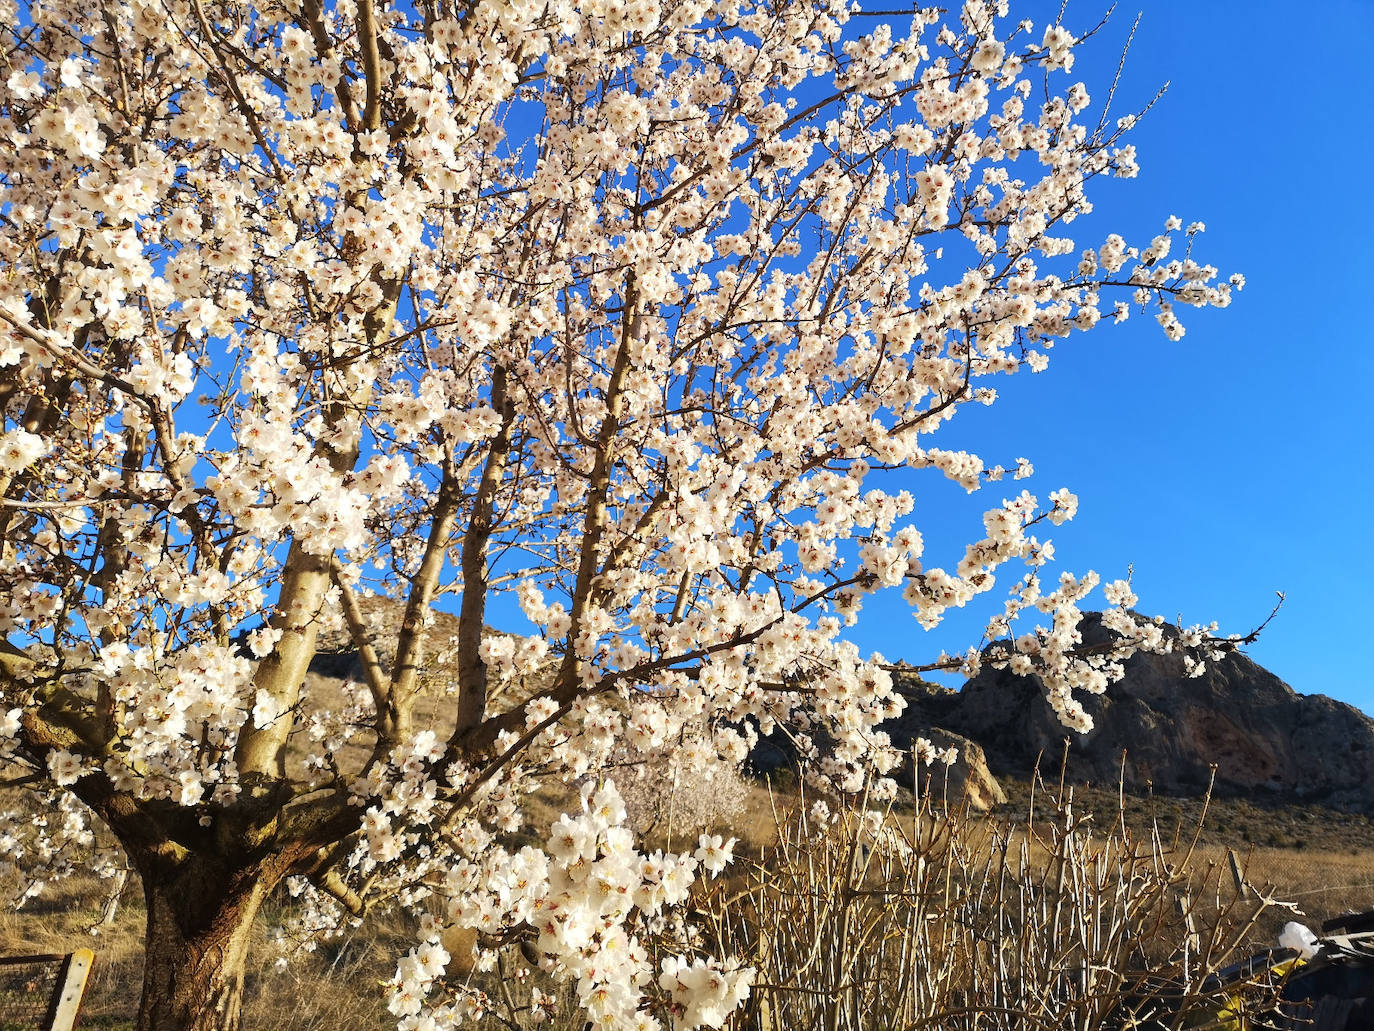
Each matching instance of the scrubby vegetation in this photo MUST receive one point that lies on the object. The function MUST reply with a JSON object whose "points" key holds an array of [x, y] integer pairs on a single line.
{"points": [[1069, 907]]}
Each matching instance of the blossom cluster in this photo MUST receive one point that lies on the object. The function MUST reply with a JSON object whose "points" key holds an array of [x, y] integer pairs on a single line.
{"points": [[585, 901]]}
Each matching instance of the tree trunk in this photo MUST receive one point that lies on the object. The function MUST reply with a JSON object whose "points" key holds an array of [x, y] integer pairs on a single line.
{"points": [[200, 919]]}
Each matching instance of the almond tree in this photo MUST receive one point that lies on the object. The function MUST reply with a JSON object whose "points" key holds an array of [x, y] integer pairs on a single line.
{"points": [[624, 307]]}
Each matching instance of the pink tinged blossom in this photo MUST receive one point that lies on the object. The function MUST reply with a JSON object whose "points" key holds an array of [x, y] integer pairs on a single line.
{"points": [[64, 767], [714, 853]]}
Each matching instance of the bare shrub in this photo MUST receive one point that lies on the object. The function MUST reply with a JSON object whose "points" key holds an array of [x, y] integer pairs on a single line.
{"points": [[856, 920], [862, 920]]}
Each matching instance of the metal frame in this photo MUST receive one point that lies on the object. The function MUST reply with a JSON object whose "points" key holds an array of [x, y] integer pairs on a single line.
{"points": [[65, 1003]]}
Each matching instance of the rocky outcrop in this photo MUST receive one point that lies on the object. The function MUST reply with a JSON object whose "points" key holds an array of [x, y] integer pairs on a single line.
{"points": [[967, 779], [337, 658], [1160, 728]]}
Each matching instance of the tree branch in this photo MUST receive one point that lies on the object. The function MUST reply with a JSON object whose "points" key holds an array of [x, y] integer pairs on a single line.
{"points": [[372, 65], [73, 358], [405, 667], [377, 681], [313, 15], [594, 523], [472, 671]]}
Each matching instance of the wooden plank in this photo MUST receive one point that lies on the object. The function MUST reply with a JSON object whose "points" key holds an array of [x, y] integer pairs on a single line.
{"points": [[71, 986]]}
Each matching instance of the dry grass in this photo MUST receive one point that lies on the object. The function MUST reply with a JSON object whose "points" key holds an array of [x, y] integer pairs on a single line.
{"points": [[336, 987], [1323, 883], [974, 921], [1321, 859], [1239, 823]]}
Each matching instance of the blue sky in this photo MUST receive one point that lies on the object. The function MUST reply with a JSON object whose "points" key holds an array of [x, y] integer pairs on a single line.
{"points": [[1233, 463]]}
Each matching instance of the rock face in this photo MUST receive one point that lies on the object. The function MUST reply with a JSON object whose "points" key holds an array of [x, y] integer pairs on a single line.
{"points": [[1265, 739], [336, 657], [967, 779]]}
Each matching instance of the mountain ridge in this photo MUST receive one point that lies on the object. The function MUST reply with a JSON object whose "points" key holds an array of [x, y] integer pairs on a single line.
{"points": [[1266, 740]]}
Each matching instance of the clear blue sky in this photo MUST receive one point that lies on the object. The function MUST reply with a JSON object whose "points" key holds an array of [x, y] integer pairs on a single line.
{"points": [[1234, 463]]}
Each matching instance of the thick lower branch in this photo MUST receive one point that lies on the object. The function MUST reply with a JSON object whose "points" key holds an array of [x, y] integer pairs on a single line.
{"points": [[372, 65], [261, 751]]}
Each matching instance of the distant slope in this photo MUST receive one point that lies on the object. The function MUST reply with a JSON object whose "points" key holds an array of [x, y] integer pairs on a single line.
{"points": [[1266, 740]]}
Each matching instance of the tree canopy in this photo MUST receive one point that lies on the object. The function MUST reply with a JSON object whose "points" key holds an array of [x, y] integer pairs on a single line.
{"points": [[621, 309]]}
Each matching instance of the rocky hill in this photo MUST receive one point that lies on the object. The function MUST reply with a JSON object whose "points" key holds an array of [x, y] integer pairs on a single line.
{"points": [[1267, 741]]}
